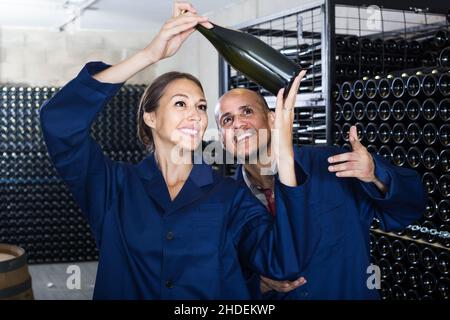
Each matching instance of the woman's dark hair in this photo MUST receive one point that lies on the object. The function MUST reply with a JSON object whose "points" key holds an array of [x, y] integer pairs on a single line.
{"points": [[150, 102]]}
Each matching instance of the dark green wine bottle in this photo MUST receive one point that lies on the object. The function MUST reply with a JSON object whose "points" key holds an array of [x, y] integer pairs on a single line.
{"points": [[254, 58]]}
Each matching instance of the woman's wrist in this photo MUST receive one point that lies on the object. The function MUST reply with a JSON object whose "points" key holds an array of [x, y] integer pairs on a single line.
{"points": [[125, 69], [147, 56]]}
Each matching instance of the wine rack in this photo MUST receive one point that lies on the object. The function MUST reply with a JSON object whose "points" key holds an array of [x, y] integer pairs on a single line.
{"points": [[384, 68], [397, 95], [298, 35], [37, 211]]}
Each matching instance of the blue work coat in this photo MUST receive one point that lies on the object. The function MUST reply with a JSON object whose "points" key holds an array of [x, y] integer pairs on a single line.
{"points": [[150, 247], [345, 209]]}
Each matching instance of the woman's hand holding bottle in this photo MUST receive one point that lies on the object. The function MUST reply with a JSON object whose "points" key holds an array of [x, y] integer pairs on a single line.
{"points": [[165, 44]]}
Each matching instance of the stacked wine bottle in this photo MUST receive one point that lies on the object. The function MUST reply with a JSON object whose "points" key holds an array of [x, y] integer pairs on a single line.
{"points": [[37, 211], [358, 57], [410, 270], [404, 116]]}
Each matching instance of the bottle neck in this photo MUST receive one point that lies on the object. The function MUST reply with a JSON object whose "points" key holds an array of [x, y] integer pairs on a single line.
{"points": [[205, 31], [211, 34]]}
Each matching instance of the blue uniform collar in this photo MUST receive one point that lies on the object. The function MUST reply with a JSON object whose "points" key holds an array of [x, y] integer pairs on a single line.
{"points": [[201, 174], [194, 188]]}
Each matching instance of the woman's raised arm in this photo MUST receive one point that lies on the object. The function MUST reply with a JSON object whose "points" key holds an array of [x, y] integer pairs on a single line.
{"points": [[168, 40]]}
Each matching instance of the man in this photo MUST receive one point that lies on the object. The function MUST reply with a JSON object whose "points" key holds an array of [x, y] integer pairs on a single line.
{"points": [[344, 190]]}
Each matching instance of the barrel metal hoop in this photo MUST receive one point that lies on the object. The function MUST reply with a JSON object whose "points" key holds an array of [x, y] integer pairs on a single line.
{"points": [[13, 264], [14, 291]]}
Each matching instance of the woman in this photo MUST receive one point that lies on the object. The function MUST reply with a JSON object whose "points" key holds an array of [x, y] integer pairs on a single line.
{"points": [[169, 229]]}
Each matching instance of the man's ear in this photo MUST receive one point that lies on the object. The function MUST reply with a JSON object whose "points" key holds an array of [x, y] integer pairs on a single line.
{"points": [[271, 119], [150, 119]]}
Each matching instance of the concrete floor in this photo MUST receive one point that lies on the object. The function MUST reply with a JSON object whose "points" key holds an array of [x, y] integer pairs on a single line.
{"points": [[50, 281]]}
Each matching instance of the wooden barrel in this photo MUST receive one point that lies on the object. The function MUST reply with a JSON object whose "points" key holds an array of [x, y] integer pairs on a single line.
{"points": [[15, 280]]}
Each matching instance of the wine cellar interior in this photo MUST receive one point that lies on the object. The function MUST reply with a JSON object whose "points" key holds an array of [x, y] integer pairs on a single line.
{"points": [[37, 211], [396, 84], [388, 74], [384, 69]]}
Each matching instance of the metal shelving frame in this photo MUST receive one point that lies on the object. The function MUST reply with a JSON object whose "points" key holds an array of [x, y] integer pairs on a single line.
{"points": [[328, 50]]}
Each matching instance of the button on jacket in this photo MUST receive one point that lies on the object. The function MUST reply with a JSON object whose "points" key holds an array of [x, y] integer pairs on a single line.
{"points": [[150, 247]]}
